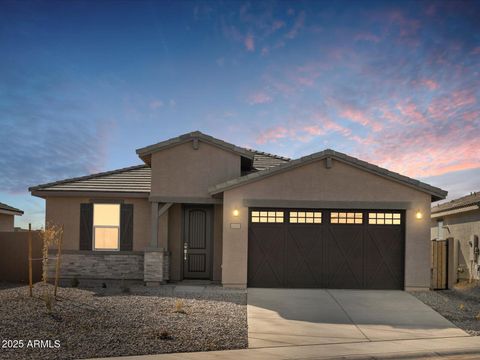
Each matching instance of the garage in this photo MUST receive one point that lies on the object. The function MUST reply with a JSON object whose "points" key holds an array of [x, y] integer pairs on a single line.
{"points": [[326, 248]]}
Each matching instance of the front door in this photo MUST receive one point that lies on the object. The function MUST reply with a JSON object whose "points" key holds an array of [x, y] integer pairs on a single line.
{"points": [[197, 242]]}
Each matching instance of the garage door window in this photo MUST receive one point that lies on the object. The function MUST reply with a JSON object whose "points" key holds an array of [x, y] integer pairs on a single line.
{"points": [[384, 218], [305, 217], [267, 216], [346, 218]]}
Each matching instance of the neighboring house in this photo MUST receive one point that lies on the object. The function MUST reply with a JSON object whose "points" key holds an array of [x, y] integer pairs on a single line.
{"points": [[7, 217], [460, 219], [201, 208]]}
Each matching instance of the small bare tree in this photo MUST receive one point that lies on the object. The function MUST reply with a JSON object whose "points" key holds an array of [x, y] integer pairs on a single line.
{"points": [[51, 236]]}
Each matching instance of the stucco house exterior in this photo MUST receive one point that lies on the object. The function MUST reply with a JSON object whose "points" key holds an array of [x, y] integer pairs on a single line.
{"points": [[201, 208], [7, 217], [459, 219]]}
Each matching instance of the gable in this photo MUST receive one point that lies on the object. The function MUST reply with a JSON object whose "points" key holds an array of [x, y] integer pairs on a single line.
{"points": [[341, 182], [188, 169], [328, 157]]}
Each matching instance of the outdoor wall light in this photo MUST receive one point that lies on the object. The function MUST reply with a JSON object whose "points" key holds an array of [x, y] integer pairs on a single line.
{"points": [[419, 215], [235, 212]]}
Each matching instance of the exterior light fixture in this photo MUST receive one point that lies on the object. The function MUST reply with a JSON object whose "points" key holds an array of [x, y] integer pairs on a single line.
{"points": [[418, 215], [235, 212]]}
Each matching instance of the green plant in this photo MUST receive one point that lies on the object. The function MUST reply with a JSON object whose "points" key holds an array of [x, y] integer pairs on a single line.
{"points": [[74, 282]]}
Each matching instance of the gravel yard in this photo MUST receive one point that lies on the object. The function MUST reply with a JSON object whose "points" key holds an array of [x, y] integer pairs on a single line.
{"points": [[108, 322], [460, 305]]}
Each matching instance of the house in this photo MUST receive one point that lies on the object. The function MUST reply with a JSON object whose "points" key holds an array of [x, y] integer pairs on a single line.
{"points": [[201, 208], [459, 219], [7, 217]]}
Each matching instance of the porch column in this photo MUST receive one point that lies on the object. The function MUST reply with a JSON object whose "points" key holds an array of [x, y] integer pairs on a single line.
{"points": [[156, 258], [154, 226]]}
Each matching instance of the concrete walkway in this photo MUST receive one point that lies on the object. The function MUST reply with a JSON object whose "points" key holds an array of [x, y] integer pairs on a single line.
{"points": [[290, 317]]}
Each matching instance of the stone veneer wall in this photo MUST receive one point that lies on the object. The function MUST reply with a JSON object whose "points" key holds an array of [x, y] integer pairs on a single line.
{"points": [[99, 265], [156, 266]]}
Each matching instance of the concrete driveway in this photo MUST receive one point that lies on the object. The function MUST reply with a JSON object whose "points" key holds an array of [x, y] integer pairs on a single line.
{"points": [[290, 317]]}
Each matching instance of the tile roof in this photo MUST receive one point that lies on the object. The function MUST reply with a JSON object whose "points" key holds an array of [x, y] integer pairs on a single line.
{"points": [[437, 193], [10, 208], [464, 201], [135, 179]]}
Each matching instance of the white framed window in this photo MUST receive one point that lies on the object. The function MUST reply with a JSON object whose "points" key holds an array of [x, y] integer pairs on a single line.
{"points": [[375, 218], [106, 226], [305, 217], [346, 218], [267, 216]]}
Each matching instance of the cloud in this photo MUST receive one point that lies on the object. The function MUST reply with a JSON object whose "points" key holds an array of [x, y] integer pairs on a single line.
{"points": [[156, 104], [249, 43], [272, 135], [47, 134], [361, 118], [365, 36], [429, 84], [259, 98], [297, 26]]}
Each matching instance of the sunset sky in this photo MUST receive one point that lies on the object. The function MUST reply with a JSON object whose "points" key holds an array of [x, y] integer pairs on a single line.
{"points": [[84, 83]]}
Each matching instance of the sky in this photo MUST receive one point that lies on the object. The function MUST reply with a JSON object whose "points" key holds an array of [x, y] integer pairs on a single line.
{"points": [[84, 83]]}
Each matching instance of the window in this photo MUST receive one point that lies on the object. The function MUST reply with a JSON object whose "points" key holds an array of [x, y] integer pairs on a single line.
{"points": [[106, 226], [440, 230], [346, 218], [267, 216], [384, 218], [305, 217]]}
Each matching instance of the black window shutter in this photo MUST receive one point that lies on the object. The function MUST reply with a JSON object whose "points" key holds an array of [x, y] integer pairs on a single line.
{"points": [[86, 226], [126, 227]]}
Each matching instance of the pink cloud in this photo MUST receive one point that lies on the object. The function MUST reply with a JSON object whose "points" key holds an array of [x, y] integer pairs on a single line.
{"points": [[259, 98], [360, 118], [249, 43], [410, 111], [430, 84], [272, 135]]}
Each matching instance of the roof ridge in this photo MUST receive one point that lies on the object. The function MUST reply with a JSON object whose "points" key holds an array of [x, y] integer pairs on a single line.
{"points": [[258, 152], [87, 177]]}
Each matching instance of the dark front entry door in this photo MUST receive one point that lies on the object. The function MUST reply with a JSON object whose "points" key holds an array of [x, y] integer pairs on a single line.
{"points": [[197, 242], [340, 249]]}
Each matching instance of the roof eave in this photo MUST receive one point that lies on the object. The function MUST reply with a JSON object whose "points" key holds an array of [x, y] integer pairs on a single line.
{"points": [[77, 193]]}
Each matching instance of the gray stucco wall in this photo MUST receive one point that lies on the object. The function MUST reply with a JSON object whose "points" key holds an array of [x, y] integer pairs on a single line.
{"points": [[460, 226]]}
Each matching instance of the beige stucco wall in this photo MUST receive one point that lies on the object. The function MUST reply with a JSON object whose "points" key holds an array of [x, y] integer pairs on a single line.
{"points": [[7, 222], [66, 211], [182, 171], [460, 227], [314, 181]]}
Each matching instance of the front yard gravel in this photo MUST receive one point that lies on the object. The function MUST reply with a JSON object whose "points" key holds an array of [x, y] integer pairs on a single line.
{"points": [[460, 305], [108, 322]]}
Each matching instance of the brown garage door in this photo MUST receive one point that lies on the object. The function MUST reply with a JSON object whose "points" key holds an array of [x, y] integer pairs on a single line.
{"points": [[339, 249]]}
